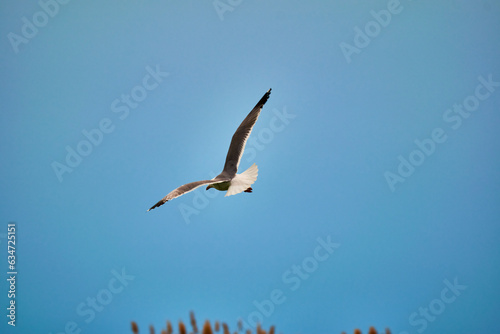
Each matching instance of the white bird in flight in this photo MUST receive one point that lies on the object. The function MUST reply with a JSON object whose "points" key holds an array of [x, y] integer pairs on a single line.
{"points": [[228, 180]]}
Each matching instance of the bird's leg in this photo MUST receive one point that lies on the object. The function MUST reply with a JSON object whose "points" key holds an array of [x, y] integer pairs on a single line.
{"points": [[249, 190]]}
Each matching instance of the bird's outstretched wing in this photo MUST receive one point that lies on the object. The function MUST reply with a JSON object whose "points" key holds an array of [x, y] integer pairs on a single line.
{"points": [[185, 189], [240, 137]]}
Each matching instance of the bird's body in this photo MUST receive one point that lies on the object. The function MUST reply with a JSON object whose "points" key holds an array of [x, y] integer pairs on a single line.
{"points": [[223, 186], [228, 180]]}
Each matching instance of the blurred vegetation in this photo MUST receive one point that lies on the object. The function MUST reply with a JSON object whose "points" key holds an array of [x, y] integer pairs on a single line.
{"points": [[222, 328]]}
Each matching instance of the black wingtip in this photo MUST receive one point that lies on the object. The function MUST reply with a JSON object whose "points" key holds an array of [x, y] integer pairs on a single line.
{"points": [[264, 99], [160, 203]]}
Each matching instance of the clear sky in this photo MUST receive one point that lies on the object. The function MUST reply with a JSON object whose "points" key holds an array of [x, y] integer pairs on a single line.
{"points": [[377, 201]]}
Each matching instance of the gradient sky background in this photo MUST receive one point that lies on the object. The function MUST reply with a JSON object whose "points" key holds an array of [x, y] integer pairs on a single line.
{"points": [[321, 170]]}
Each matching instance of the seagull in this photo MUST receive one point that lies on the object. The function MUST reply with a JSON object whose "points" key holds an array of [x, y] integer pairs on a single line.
{"points": [[228, 180]]}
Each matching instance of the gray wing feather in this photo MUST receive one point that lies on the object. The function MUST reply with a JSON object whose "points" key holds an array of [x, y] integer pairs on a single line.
{"points": [[185, 189], [240, 137]]}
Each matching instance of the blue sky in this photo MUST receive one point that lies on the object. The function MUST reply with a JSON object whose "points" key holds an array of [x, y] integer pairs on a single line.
{"points": [[377, 196]]}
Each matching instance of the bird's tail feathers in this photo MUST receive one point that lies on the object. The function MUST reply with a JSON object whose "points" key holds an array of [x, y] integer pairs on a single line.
{"points": [[243, 181]]}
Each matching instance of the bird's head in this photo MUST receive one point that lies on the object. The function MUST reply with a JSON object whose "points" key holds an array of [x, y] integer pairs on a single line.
{"points": [[209, 186]]}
